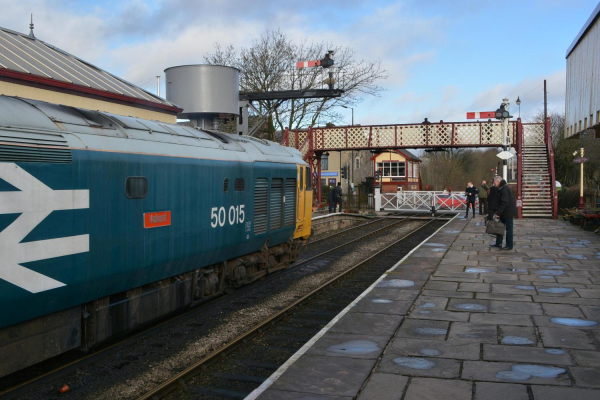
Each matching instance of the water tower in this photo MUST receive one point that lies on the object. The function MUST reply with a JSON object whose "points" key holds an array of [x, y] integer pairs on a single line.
{"points": [[208, 94]]}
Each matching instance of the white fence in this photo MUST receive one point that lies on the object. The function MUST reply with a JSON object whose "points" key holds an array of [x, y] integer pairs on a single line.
{"points": [[440, 202]]}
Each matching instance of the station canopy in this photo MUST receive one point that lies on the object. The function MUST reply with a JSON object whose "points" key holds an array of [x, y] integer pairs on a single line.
{"points": [[26, 59]]}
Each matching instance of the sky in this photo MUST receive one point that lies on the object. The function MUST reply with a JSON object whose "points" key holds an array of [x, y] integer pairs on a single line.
{"points": [[443, 58]]}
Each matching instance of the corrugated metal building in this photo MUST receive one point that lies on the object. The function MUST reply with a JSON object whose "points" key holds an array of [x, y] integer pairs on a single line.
{"points": [[33, 69], [583, 79]]}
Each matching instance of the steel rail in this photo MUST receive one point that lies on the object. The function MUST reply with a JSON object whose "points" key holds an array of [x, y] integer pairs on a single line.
{"points": [[179, 380], [148, 330]]}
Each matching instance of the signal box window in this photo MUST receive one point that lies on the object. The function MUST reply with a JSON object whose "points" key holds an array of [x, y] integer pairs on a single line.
{"points": [[136, 187]]}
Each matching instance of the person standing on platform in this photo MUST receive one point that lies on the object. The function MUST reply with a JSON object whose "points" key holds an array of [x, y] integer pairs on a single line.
{"points": [[471, 194], [330, 198], [337, 195], [483, 199], [507, 212], [493, 199]]}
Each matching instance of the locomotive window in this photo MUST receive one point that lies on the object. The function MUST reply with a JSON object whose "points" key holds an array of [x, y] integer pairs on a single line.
{"points": [[239, 185], [308, 179], [136, 187], [226, 185]]}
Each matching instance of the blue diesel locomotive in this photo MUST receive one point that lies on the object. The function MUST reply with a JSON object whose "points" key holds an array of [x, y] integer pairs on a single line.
{"points": [[108, 222]]}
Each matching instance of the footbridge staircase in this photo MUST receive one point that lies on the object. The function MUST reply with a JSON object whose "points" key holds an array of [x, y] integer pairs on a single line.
{"points": [[536, 189]]}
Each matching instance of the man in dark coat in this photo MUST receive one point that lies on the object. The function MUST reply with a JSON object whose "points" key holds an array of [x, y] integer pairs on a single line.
{"points": [[330, 198], [493, 200], [483, 199], [471, 194], [337, 195], [507, 211]]}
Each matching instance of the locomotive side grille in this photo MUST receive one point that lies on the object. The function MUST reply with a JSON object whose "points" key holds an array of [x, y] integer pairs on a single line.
{"points": [[290, 202], [38, 148], [261, 205], [276, 203]]}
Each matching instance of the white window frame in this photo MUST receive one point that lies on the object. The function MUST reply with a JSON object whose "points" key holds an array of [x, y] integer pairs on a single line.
{"points": [[381, 166]]}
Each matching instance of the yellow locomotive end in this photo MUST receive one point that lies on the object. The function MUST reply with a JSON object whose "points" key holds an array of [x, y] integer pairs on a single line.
{"points": [[304, 203]]}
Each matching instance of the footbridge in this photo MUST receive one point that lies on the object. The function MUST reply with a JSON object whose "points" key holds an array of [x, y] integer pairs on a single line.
{"points": [[532, 141]]}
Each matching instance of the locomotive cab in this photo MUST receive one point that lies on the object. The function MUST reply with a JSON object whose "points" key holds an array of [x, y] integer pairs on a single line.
{"points": [[304, 210]]}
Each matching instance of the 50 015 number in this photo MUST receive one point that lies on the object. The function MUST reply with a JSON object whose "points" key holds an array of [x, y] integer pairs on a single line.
{"points": [[221, 216]]}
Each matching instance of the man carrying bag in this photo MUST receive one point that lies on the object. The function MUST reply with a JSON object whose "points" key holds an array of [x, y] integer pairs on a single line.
{"points": [[506, 211]]}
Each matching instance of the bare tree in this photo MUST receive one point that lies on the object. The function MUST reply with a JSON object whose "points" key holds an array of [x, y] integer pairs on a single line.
{"points": [[270, 64]]}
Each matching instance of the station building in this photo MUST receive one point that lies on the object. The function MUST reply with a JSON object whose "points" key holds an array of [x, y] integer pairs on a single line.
{"points": [[582, 102], [33, 69], [397, 168]]}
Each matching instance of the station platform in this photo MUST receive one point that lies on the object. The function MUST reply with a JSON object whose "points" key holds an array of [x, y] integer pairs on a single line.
{"points": [[456, 319]]}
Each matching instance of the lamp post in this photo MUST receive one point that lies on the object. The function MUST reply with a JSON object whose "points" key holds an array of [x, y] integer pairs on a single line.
{"points": [[351, 108], [503, 114], [519, 104], [352, 152], [580, 161]]}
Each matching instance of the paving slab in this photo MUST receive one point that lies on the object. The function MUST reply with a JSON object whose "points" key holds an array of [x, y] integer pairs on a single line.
{"points": [[500, 391], [515, 373], [368, 324], [562, 393], [338, 376], [438, 389], [286, 395], [586, 358], [534, 355], [456, 349], [419, 366], [384, 387]]}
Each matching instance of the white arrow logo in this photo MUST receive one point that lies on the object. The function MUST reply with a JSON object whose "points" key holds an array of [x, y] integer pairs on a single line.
{"points": [[35, 201]]}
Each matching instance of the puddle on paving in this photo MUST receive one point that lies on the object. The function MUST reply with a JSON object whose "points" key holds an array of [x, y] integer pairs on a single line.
{"points": [[435, 244], [546, 277], [396, 283], [556, 267], [576, 245], [424, 312], [469, 335], [430, 352], [557, 290], [555, 351], [518, 270], [548, 272], [437, 250], [524, 287], [470, 306], [478, 270], [430, 331], [542, 260], [516, 340], [414, 363], [553, 247], [524, 372], [581, 323], [381, 301], [354, 347], [427, 305], [480, 224], [577, 256], [451, 231]]}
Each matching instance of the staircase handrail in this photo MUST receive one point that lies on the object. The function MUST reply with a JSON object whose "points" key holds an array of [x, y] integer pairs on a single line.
{"points": [[519, 140], [548, 140]]}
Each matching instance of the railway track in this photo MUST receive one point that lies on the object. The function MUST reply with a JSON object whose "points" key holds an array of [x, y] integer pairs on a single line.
{"points": [[236, 369], [325, 248]]}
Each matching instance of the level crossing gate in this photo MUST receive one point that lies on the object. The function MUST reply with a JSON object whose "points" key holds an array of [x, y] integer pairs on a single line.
{"points": [[536, 189]]}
